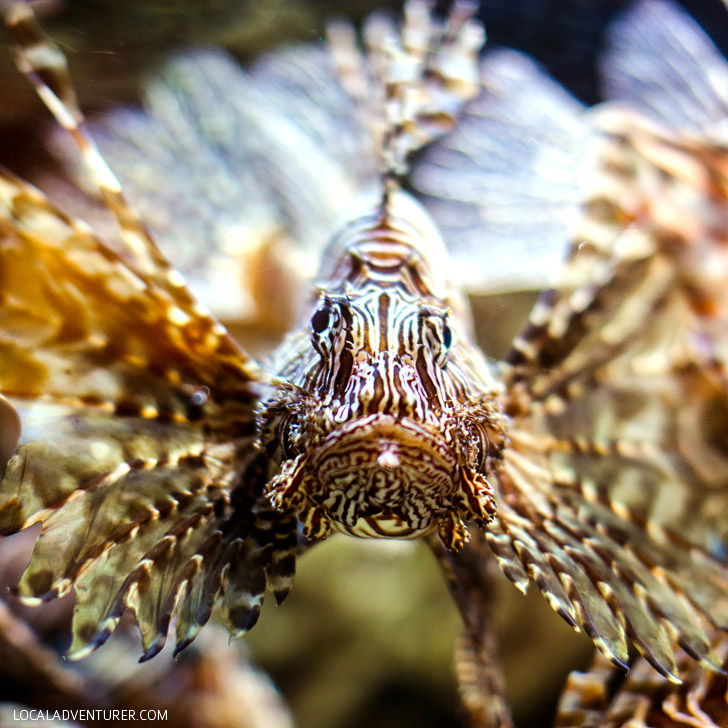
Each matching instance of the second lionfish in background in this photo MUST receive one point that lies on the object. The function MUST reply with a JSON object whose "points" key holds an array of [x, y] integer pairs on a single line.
{"points": [[578, 460]]}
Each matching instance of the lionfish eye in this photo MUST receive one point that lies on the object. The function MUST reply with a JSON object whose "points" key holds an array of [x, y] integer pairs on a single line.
{"points": [[446, 336], [325, 323], [321, 320], [446, 339], [438, 335]]}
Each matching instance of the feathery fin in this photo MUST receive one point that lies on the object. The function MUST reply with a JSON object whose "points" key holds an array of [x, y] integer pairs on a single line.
{"points": [[45, 66], [411, 84]]}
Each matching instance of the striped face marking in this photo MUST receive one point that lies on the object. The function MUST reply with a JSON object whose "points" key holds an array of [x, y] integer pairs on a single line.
{"points": [[381, 351], [389, 431]]}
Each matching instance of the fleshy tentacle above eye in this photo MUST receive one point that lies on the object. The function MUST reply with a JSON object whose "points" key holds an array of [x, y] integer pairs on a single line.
{"points": [[138, 411]]}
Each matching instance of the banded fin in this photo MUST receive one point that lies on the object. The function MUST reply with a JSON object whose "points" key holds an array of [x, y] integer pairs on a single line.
{"points": [[411, 83], [121, 460], [617, 394], [601, 698], [661, 62], [138, 410], [611, 394], [612, 579], [602, 471]]}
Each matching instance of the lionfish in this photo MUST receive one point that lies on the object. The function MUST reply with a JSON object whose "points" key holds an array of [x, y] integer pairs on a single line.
{"points": [[171, 471]]}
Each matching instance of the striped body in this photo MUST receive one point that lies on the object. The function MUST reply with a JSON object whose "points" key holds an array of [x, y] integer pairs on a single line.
{"points": [[390, 427]]}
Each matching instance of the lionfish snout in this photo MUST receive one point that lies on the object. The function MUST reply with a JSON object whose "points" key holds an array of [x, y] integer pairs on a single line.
{"points": [[386, 475], [385, 383], [382, 475]]}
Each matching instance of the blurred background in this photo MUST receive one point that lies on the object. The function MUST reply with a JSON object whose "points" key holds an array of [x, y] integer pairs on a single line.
{"points": [[112, 44], [367, 636]]}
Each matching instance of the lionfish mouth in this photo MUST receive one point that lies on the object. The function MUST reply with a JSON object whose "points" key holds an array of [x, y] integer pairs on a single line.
{"points": [[378, 476]]}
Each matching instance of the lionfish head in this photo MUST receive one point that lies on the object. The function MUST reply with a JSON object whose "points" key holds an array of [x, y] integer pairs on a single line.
{"points": [[387, 429]]}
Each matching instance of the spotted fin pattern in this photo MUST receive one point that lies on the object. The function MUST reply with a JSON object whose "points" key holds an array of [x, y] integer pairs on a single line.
{"points": [[138, 415]]}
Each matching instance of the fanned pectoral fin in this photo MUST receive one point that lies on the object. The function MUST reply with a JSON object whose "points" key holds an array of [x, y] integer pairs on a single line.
{"points": [[94, 479], [126, 503], [161, 541], [612, 575], [145, 575], [138, 427], [563, 582], [617, 407]]}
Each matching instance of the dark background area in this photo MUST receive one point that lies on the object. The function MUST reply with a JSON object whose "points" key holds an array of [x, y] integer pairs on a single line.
{"points": [[567, 35]]}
